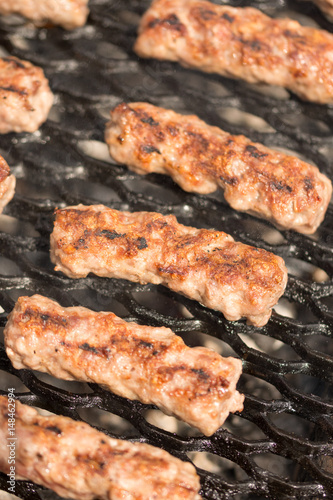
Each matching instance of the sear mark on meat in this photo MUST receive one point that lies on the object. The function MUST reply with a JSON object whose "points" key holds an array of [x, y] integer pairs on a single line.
{"points": [[205, 265], [201, 158], [25, 96], [77, 461], [241, 42]]}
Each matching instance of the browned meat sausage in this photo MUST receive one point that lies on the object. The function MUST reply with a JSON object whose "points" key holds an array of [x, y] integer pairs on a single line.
{"points": [[240, 43], [326, 6], [205, 265], [79, 462], [7, 184], [200, 158], [68, 13], [149, 364], [25, 96]]}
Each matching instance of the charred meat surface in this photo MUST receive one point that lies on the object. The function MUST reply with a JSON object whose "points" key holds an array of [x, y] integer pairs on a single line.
{"points": [[25, 96], [240, 43], [149, 364], [7, 184], [148, 247], [283, 189], [79, 462], [69, 14]]}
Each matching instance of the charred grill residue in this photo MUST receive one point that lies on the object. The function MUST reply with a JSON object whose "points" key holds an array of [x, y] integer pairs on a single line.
{"points": [[10, 88]]}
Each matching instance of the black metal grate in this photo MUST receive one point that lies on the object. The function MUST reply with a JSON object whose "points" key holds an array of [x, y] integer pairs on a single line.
{"points": [[281, 445]]}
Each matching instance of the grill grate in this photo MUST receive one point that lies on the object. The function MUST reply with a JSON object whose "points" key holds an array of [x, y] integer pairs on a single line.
{"points": [[281, 445]]}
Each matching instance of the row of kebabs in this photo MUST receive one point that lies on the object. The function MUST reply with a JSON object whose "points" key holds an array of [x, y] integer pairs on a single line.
{"points": [[154, 365], [237, 42], [145, 363], [149, 364], [281, 188]]}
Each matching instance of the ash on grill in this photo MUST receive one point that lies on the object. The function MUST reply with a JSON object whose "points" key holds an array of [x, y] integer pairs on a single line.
{"points": [[281, 445]]}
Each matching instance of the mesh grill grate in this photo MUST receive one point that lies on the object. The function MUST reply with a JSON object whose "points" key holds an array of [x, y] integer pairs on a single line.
{"points": [[281, 444]]}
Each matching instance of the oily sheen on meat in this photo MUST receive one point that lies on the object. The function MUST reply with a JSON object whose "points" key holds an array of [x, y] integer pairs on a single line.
{"points": [[287, 191], [240, 42], [25, 96], [69, 14], [147, 247]]}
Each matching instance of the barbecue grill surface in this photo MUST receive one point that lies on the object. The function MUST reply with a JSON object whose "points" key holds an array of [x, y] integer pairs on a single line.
{"points": [[281, 445]]}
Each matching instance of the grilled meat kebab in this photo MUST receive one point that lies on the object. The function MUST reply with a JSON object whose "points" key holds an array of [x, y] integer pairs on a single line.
{"points": [[148, 247], [7, 184], [200, 158], [25, 96], [240, 42], [149, 364], [79, 462], [69, 14]]}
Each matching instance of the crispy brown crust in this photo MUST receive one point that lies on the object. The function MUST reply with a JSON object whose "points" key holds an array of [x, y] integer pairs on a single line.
{"points": [[240, 43], [7, 184], [138, 362], [25, 96], [205, 265], [13, 71], [79, 462], [281, 188]]}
